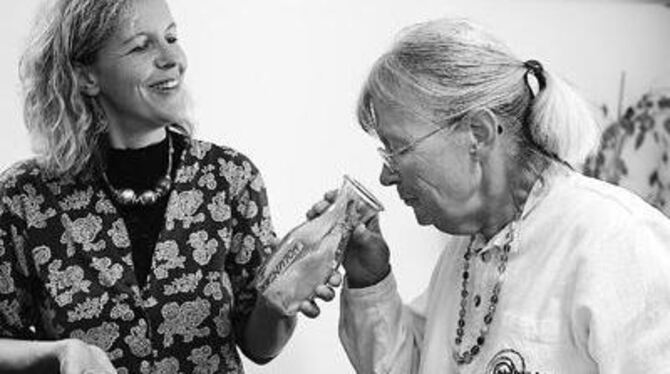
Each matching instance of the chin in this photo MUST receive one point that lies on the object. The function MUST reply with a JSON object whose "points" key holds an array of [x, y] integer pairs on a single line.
{"points": [[169, 115], [422, 218], [170, 108]]}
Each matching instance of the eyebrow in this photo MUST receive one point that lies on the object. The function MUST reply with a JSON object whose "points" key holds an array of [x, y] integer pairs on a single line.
{"points": [[131, 38]]}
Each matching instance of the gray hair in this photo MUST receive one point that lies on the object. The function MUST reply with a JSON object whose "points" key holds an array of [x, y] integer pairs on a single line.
{"points": [[64, 124], [447, 68]]}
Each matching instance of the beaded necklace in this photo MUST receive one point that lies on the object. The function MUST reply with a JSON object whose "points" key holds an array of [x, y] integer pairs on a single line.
{"points": [[127, 196], [465, 356]]}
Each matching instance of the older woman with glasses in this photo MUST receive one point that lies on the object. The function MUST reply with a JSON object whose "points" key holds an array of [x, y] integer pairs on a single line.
{"points": [[547, 271]]}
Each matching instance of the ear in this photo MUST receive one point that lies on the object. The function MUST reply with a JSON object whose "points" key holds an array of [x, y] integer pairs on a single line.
{"points": [[484, 129], [86, 80]]}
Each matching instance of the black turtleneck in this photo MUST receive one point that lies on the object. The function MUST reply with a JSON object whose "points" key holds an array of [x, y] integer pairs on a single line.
{"points": [[139, 170]]}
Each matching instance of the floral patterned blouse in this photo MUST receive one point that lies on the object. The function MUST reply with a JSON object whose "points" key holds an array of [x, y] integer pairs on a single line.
{"points": [[66, 268]]}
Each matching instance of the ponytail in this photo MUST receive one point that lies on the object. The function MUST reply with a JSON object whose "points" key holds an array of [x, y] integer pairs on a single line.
{"points": [[561, 121]]}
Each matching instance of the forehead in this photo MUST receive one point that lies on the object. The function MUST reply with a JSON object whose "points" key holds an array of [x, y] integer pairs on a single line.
{"points": [[397, 124], [145, 16]]}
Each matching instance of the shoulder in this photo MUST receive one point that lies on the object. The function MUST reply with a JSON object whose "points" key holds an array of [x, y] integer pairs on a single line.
{"points": [[599, 204], [218, 154], [21, 174], [20, 184], [605, 244], [598, 223], [612, 228], [225, 164]]}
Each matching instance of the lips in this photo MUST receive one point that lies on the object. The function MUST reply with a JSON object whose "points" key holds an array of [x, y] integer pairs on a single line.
{"points": [[408, 199], [411, 201], [165, 84]]}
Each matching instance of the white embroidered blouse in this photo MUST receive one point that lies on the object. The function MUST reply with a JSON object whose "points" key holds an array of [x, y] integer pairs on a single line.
{"points": [[586, 290]]}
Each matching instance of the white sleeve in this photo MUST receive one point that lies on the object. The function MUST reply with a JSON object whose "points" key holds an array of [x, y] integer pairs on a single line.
{"points": [[378, 332], [622, 309]]}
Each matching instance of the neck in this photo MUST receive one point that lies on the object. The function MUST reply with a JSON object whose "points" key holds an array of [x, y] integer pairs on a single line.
{"points": [[119, 139], [508, 204]]}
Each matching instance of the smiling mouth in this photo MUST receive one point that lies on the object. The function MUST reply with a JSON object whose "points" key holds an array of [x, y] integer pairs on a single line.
{"points": [[165, 85]]}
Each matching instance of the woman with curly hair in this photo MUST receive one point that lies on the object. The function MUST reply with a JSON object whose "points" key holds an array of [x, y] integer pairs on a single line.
{"points": [[126, 245]]}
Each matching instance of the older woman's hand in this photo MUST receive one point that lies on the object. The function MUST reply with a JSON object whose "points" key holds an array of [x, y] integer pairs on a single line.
{"points": [[366, 259]]}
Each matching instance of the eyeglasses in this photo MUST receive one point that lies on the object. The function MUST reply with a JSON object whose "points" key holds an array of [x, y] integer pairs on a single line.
{"points": [[390, 158]]}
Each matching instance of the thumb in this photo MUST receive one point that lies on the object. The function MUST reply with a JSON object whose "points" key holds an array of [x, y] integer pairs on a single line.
{"points": [[361, 233], [373, 224]]}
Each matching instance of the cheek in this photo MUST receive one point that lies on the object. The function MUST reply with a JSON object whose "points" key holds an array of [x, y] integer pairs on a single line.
{"points": [[447, 178], [124, 75]]}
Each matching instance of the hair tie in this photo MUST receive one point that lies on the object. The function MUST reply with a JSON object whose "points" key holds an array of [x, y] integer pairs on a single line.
{"points": [[535, 67]]}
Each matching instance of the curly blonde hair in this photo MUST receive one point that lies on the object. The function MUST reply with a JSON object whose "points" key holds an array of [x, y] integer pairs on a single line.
{"points": [[64, 124]]}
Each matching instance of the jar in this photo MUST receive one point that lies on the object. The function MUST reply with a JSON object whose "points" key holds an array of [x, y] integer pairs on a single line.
{"points": [[309, 254]]}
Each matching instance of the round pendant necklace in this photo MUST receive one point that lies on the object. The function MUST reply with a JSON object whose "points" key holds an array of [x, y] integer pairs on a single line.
{"points": [[127, 196], [464, 356]]}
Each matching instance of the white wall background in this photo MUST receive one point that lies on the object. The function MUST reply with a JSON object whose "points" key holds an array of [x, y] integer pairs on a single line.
{"points": [[278, 80]]}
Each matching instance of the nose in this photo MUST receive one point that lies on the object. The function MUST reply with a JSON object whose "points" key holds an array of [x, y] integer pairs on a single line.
{"points": [[388, 177], [171, 56]]}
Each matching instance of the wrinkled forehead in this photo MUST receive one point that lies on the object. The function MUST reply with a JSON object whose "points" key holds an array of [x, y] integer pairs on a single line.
{"points": [[397, 123], [376, 112]]}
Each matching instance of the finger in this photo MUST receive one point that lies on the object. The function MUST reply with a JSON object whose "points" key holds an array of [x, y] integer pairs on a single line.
{"points": [[102, 360], [335, 279], [330, 195], [99, 371], [274, 241], [373, 224], [318, 209], [366, 236], [364, 211], [361, 208], [324, 292], [309, 309], [322, 206], [360, 233], [311, 213]]}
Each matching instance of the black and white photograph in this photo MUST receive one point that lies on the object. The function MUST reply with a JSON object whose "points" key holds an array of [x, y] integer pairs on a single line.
{"points": [[335, 187]]}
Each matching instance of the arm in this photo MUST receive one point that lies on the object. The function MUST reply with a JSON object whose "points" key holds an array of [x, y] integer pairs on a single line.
{"points": [[260, 330], [16, 302], [620, 313], [68, 356], [378, 332], [266, 332], [268, 329], [25, 356], [19, 352]]}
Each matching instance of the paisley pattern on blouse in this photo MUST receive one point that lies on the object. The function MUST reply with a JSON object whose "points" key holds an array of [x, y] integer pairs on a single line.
{"points": [[634, 151], [66, 267]]}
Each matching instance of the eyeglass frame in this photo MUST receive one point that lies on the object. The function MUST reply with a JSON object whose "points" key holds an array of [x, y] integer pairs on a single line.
{"points": [[389, 158]]}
